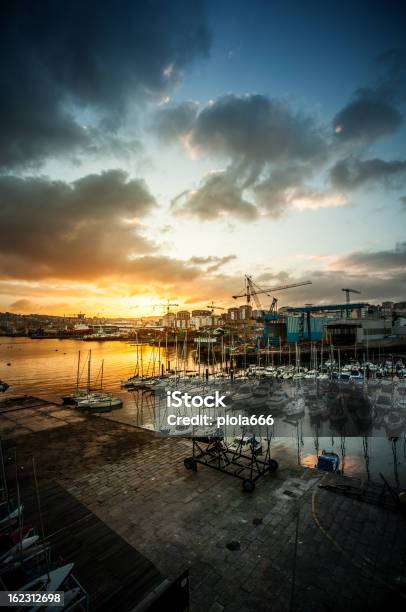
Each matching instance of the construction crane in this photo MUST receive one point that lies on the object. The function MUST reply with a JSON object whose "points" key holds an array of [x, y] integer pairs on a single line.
{"points": [[168, 305], [252, 290], [213, 307], [273, 308], [347, 293]]}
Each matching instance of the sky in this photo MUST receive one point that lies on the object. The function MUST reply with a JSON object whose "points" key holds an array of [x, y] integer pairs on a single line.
{"points": [[162, 150]]}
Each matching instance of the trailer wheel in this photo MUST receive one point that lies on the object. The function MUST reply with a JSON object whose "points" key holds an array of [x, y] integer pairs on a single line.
{"points": [[273, 465], [248, 485], [190, 464]]}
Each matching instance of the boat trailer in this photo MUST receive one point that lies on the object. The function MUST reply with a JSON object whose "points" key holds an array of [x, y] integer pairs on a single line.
{"points": [[247, 466]]}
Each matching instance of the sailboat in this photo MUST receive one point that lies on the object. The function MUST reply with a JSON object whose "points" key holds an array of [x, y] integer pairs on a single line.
{"points": [[9, 512], [98, 401], [78, 393]]}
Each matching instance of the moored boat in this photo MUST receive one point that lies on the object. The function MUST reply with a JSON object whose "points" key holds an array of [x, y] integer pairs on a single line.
{"points": [[99, 402]]}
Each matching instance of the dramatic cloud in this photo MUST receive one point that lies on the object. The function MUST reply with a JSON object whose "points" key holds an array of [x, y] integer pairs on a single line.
{"points": [[218, 196], [254, 130], [173, 122], [374, 111], [374, 262], [81, 230], [351, 173], [212, 263], [69, 63], [357, 270], [284, 190], [368, 117], [327, 285], [270, 148]]}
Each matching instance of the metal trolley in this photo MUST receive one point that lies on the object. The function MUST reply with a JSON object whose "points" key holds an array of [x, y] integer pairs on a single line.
{"points": [[245, 459]]}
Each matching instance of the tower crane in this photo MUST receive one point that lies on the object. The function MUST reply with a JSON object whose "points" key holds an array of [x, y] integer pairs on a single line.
{"points": [[347, 293], [168, 305], [252, 290], [213, 307]]}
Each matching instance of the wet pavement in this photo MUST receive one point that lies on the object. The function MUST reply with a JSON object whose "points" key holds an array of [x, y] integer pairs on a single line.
{"points": [[288, 546]]}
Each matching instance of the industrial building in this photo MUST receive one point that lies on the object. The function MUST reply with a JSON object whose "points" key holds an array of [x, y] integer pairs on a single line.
{"points": [[350, 331]]}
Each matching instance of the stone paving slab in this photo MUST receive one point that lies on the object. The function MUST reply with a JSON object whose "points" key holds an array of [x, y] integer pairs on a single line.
{"points": [[181, 519], [241, 549]]}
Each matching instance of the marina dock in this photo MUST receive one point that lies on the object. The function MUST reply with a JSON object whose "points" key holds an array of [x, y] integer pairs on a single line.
{"points": [[289, 541]]}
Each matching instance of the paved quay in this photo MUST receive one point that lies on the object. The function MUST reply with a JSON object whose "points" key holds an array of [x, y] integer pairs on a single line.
{"points": [[288, 546]]}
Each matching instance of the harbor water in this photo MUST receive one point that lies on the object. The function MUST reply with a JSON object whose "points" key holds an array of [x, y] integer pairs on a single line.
{"points": [[48, 369]]}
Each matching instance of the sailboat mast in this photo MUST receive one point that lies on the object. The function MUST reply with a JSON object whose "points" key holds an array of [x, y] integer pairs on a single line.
{"points": [[101, 375], [88, 370], [185, 352], [4, 479], [78, 373], [41, 521]]}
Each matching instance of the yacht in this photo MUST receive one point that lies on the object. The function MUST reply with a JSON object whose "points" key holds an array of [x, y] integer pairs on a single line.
{"points": [[278, 401], [99, 402]]}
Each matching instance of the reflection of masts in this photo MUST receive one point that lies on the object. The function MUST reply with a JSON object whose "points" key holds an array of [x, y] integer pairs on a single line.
{"points": [[141, 361], [299, 458], [365, 445], [321, 353], [88, 370], [342, 445], [395, 460], [78, 373], [316, 438]]}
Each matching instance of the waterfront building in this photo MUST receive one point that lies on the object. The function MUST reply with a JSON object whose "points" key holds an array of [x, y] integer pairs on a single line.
{"points": [[245, 312], [169, 319], [183, 319], [347, 331], [233, 314]]}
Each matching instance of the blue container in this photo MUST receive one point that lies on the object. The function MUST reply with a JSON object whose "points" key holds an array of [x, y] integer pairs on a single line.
{"points": [[328, 462]]}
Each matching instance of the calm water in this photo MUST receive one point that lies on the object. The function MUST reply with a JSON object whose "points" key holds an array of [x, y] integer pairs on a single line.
{"points": [[47, 368]]}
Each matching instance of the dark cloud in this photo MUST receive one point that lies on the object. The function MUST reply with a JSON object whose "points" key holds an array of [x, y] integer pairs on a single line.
{"points": [[268, 147], [172, 122], [368, 117], [374, 111], [81, 230], [351, 173], [254, 130], [327, 285], [212, 263], [376, 261], [218, 196], [274, 194], [63, 61], [403, 200]]}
